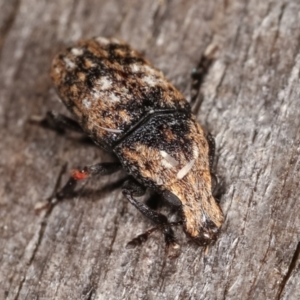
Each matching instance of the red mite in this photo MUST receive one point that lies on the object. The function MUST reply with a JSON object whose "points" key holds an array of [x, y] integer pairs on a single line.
{"points": [[128, 107]]}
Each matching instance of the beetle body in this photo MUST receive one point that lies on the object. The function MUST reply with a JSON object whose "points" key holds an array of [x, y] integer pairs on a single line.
{"points": [[128, 107]]}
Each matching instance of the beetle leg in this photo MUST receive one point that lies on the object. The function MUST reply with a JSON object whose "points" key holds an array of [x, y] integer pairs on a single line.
{"points": [[211, 157], [84, 173], [132, 189], [199, 73], [57, 121], [212, 148], [217, 188]]}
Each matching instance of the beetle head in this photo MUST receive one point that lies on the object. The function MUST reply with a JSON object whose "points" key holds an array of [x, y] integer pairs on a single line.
{"points": [[207, 234]]}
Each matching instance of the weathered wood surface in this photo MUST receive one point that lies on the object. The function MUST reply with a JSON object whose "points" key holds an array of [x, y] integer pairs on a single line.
{"points": [[251, 104]]}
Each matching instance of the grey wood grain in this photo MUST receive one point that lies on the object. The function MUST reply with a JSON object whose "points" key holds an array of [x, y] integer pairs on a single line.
{"points": [[251, 105]]}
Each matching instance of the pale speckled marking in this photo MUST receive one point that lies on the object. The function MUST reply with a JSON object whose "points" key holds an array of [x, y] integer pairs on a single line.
{"points": [[69, 63], [114, 97], [102, 40], [104, 83], [110, 130], [136, 68], [195, 151], [150, 80], [183, 171], [77, 51], [168, 161], [87, 103]]}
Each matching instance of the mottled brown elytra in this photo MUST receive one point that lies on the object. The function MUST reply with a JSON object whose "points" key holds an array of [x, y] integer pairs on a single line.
{"points": [[128, 107]]}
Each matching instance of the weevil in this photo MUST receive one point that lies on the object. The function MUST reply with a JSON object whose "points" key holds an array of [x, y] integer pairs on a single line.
{"points": [[128, 107]]}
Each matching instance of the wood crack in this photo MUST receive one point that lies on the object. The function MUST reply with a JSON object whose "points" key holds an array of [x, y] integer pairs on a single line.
{"points": [[19, 288], [291, 267], [282, 9]]}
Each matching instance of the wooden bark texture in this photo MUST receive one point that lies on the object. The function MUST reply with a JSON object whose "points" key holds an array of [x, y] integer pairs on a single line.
{"points": [[251, 105]]}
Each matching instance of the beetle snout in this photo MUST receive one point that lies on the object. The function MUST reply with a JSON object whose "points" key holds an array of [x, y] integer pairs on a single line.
{"points": [[207, 235], [206, 238]]}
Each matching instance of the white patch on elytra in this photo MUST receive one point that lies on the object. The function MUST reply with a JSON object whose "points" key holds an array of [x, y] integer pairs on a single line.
{"points": [[69, 63], [183, 171], [87, 103], [113, 97], [105, 96], [102, 40], [77, 51], [150, 80], [135, 68], [168, 161], [195, 151], [105, 83], [106, 129], [110, 130]]}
